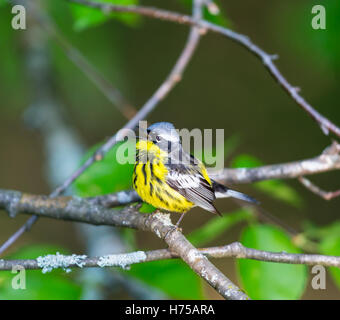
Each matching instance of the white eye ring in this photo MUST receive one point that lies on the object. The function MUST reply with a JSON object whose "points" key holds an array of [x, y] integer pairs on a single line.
{"points": [[158, 138]]}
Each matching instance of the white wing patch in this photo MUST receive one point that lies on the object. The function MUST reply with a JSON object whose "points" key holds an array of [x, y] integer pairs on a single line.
{"points": [[190, 183], [184, 181]]}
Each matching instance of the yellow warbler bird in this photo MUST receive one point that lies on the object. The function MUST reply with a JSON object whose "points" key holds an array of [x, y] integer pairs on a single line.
{"points": [[168, 178]]}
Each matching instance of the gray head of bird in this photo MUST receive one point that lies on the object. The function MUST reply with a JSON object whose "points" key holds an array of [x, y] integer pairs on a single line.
{"points": [[164, 135]]}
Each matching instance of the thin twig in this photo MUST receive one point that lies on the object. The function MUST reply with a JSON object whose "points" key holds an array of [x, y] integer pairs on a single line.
{"points": [[123, 260], [325, 124], [327, 195]]}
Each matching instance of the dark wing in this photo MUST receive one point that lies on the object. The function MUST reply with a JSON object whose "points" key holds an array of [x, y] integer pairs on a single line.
{"points": [[190, 183], [222, 191]]}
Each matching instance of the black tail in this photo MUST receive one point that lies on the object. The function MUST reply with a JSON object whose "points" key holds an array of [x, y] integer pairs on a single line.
{"points": [[222, 191]]}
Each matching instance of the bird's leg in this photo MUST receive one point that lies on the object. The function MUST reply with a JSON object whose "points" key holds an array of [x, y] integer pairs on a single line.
{"points": [[180, 219], [176, 226]]}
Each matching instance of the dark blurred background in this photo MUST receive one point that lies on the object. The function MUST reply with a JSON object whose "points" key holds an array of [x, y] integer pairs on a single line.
{"points": [[224, 87]]}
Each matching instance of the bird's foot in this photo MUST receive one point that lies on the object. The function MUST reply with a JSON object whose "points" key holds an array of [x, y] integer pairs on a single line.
{"points": [[136, 205], [172, 229]]}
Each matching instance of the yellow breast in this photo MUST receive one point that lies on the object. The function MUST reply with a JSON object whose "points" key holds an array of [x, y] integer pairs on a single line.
{"points": [[149, 179]]}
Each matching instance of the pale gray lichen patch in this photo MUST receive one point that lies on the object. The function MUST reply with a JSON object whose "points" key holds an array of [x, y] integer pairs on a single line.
{"points": [[126, 197], [81, 205], [158, 234], [311, 166], [164, 217], [194, 255], [11, 200], [54, 261], [122, 260]]}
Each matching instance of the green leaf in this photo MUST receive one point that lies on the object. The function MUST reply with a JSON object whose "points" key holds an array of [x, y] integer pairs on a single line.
{"points": [[54, 285], [323, 43], [246, 161], [219, 19], [173, 277], [269, 280], [86, 17], [3, 2], [275, 188], [217, 226], [105, 176], [147, 208], [330, 245], [313, 231]]}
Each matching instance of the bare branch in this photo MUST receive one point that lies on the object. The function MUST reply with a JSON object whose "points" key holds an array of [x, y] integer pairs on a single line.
{"points": [[327, 161], [123, 260], [78, 209], [325, 124], [327, 195], [116, 199], [159, 224], [173, 78]]}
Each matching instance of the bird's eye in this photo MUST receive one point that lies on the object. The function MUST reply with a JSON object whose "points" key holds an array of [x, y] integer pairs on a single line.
{"points": [[158, 138]]}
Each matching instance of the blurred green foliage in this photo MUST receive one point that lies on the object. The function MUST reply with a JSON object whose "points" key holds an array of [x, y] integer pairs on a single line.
{"points": [[88, 17], [217, 226], [105, 176], [329, 243], [173, 277], [51, 286], [266, 280], [324, 44], [261, 280], [12, 78]]}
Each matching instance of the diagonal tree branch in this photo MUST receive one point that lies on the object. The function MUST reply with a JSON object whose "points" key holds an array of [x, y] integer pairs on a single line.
{"points": [[267, 59], [159, 224], [173, 78], [78, 209]]}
